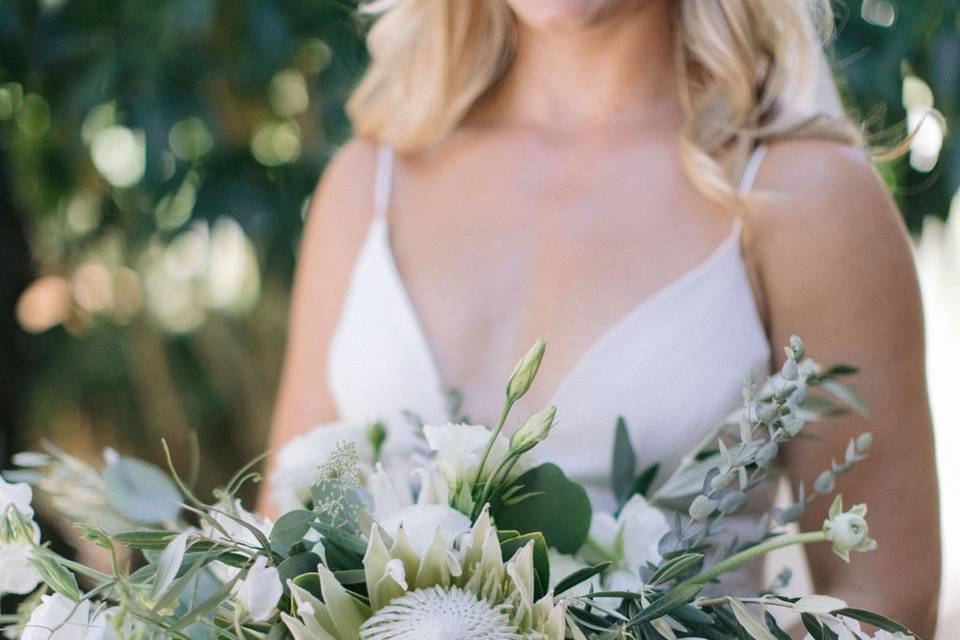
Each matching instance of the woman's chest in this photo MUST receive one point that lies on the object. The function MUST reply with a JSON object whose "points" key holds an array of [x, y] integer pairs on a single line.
{"points": [[494, 264]]}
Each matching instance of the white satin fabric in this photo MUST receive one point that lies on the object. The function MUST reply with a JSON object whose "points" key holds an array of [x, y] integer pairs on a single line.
{"points": [[673, 367]]}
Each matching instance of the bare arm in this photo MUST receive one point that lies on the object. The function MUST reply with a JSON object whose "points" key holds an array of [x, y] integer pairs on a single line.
{"points": [[337, 221], [837, 270]]}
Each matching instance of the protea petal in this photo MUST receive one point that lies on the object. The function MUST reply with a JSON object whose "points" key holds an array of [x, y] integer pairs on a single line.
{"points": [[435, 567], [346, 612], [375, 563], [403, 551], [392, 585], [312, 612]]}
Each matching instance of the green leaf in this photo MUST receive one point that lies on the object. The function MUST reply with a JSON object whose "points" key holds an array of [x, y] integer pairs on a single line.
{"points": [[147, 539], [841, 369], [579, 576], [847, 395], [309, 582], [169, 563], [774, 627], [642, 484], [511, 542], [57, 577], [560, 511], [292, 527], [814, 627], [298, 565], [675, 567], [343, 539], [667, 603], [141, 491], [624, 463], [756, 629], [877, 620]]}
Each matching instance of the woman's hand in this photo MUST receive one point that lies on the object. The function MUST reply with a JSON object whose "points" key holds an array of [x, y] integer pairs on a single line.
{"points": [[833, 264]]}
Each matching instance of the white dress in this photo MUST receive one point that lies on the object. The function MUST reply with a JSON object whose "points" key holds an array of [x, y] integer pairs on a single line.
{"points": [[673, 367]]}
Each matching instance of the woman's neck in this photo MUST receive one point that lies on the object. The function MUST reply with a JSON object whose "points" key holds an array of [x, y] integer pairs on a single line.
{"points": [[616, 71]]}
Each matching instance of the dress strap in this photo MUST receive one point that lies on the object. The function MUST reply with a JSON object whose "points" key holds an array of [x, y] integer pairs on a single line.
{"points": [[751, 169], [383, 181]]}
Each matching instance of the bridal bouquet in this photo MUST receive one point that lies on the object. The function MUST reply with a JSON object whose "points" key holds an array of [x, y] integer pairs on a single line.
{"points": [[477, 540]]}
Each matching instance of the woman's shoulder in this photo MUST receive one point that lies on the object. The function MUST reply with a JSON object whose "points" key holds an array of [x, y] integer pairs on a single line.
{"points": [[824, 193], [820, 213], [342, 202]]}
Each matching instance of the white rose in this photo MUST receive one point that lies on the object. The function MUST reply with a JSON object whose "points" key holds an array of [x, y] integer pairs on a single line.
{"points": [[59, 618], [260, 591], [298, 461], [421, 521]]}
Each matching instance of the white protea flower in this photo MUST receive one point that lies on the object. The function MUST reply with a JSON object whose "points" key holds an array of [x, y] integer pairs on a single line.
{"points": [[464, 591]]}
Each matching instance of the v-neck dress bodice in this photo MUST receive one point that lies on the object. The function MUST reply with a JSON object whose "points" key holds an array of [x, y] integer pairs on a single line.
{"points": [[673, 367]]}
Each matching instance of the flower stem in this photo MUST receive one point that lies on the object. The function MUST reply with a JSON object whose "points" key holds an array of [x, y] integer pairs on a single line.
{"points": [[493, 438], [756, 551]]}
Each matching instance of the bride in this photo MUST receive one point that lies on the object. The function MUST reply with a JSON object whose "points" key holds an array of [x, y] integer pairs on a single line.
{"points": [[666, 190]]}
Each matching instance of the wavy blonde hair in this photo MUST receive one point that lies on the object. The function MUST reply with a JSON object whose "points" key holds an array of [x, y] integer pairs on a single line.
{"points": [[749, 71]]}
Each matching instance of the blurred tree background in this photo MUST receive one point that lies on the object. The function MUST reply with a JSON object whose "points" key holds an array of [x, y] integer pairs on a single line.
{"points": [[156, 157]]}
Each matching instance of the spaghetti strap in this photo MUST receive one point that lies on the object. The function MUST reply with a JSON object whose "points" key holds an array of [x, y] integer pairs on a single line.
{"points": [[383, 181], [752, 168]]}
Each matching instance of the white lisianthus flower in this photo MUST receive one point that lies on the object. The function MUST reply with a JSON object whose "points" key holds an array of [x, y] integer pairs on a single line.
{"points": [[632, 539], [235, 532], [59, 618], [641, 528], [298, 461], [260, 591], [17, 575], [18, 495], [459, 448], [421, 522]]}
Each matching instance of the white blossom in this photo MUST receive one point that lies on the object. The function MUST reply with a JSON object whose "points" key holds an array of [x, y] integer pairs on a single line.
{"points": [[59, 618], [260, 591]]}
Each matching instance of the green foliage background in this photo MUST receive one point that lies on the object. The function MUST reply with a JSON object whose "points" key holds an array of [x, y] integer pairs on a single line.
{"points": [[213, 91]]}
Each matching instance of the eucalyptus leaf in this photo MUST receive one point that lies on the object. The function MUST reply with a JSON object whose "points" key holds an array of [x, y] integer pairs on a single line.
{"points": [[298, 565], [560, 509], [292, 527], [847, 395], [141, 491]]}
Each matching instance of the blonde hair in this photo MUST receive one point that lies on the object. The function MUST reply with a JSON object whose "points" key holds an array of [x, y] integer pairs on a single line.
{"points": [[749, 71]]}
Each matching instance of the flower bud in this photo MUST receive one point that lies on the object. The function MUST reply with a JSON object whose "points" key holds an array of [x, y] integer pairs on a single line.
{"points": [[864, 442], [533, 430], [702, 508], [732, 502], [825, 482], [525, 371], [799, 350], [790, 370], [848, 531]]}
